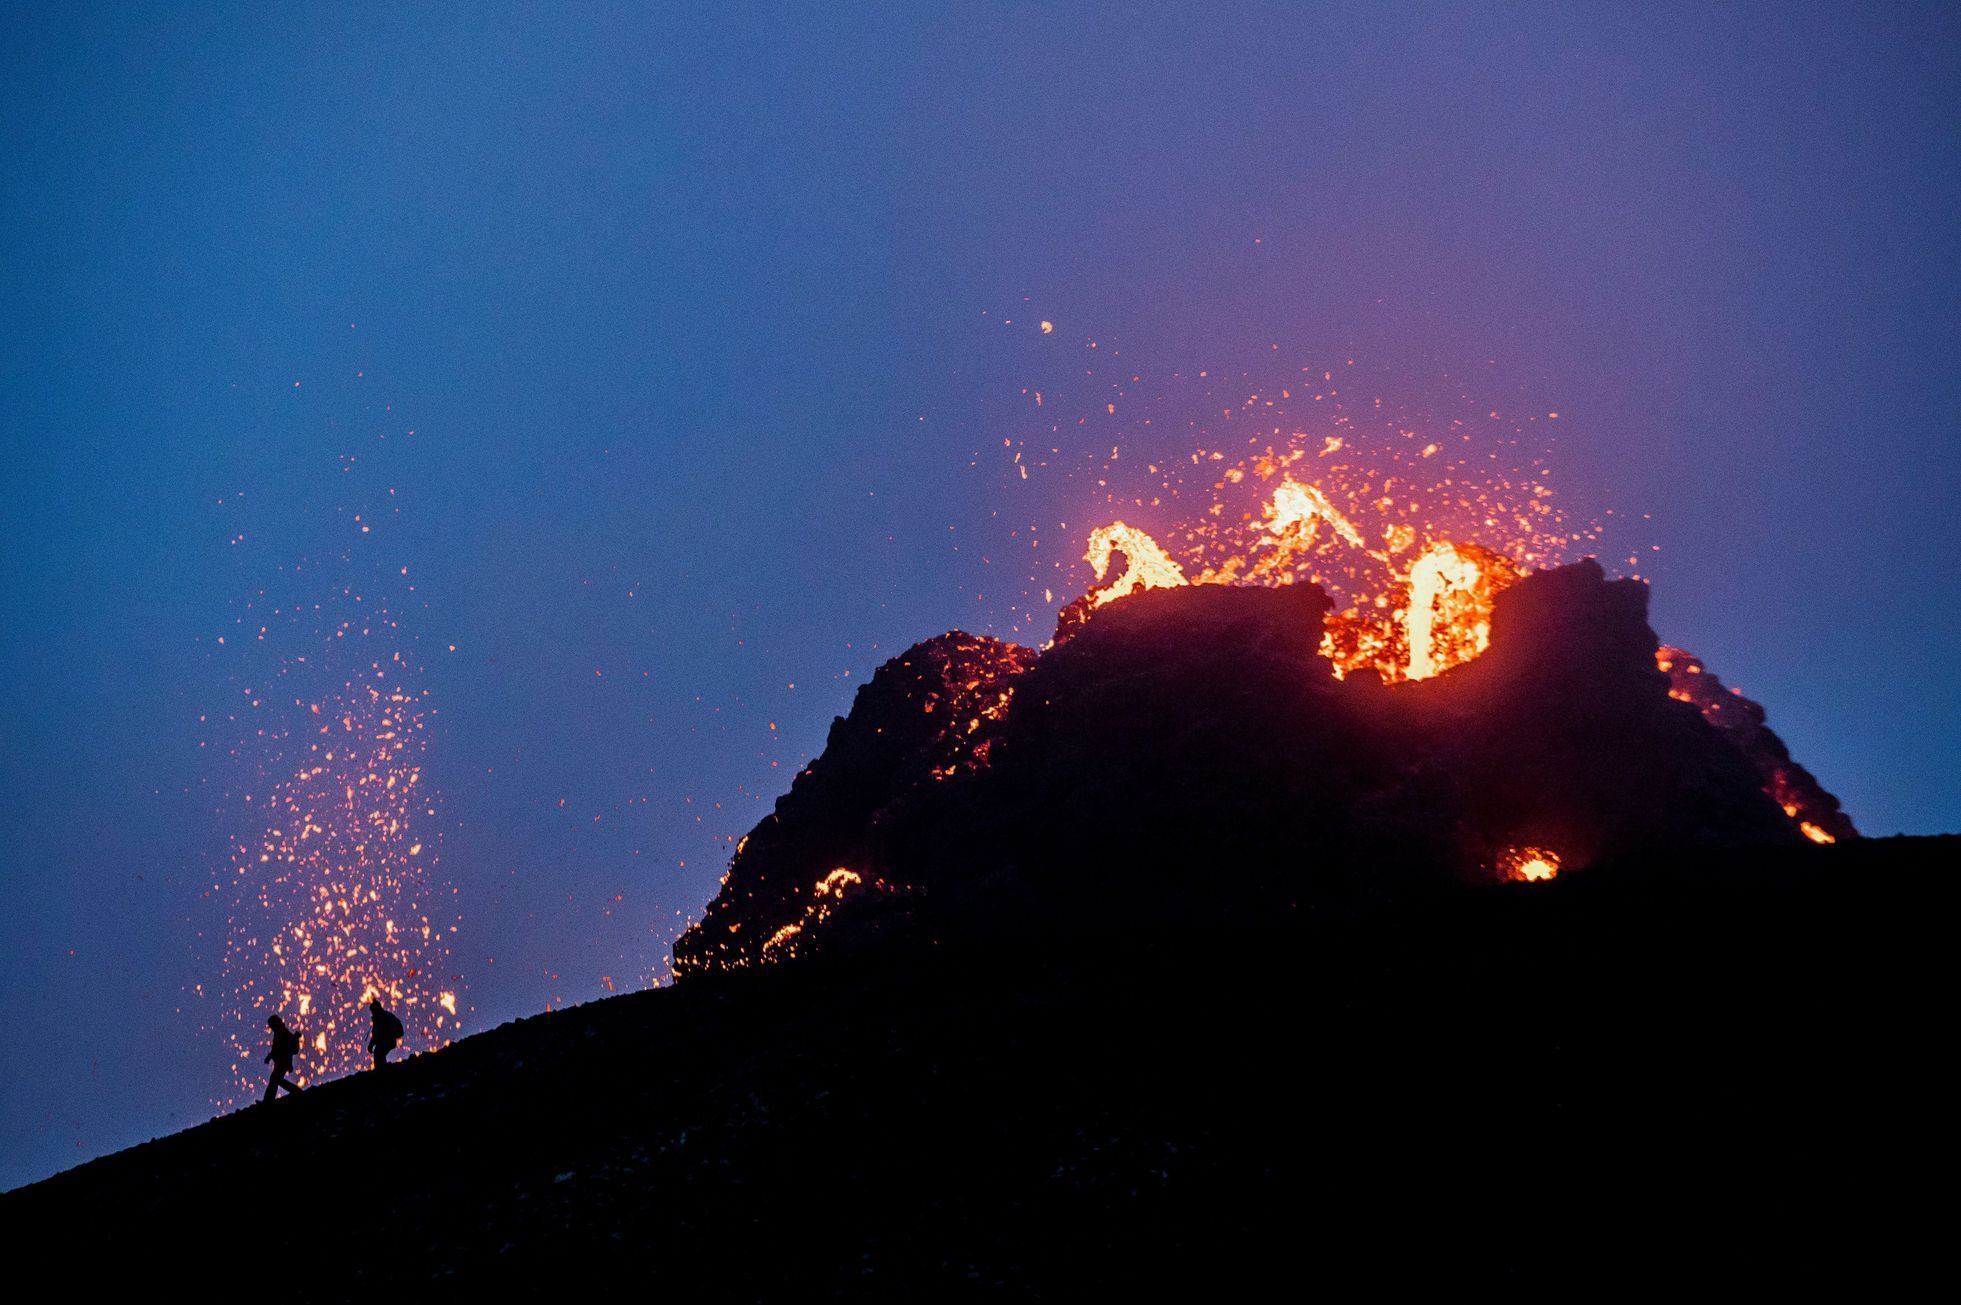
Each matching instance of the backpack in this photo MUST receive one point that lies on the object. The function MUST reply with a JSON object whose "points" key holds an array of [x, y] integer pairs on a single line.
{"points": [[391, 1029]]}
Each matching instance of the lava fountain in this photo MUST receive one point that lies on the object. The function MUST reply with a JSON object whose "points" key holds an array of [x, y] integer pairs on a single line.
{"points": [[1415, 570], [335, 896]]}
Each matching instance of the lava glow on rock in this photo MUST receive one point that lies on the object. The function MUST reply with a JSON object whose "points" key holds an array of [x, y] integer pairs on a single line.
{"points": [[826, 894], [1417, 600], [1413, 565], [1529, 864], [1815, 812], [1428, 610]]}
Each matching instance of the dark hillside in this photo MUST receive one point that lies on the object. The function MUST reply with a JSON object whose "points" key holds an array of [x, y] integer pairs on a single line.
{"points": [[1685, 1076]]}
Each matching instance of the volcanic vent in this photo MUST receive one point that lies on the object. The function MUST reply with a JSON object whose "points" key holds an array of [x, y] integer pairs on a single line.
{"points": [[1201, 751]]}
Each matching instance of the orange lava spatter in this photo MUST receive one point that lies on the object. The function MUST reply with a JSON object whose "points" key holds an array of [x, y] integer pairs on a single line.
{"points": [[335, 891], [1415, 603], [1412, 535]]}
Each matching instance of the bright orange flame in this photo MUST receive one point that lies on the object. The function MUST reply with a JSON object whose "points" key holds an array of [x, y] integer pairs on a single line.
{"points": [[1290, 532], [1814, 833]]}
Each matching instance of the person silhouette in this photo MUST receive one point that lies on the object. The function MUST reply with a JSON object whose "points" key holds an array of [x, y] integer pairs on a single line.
{"points": [[285, 1046], [387, 1032]]}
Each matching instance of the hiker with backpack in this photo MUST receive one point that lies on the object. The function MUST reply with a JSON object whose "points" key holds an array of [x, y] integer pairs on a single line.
{"points": [[387, 1032], [285, 1046]]}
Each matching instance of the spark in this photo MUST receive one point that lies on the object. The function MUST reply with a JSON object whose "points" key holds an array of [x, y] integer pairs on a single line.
{"points": [[335, 891]]}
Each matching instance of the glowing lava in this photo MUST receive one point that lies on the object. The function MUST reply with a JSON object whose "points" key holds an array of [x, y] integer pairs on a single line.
{"points": [[827, 894], [1417, 618], [1451, 592], [1298, 510], [1422, 618], [1815, 812], [1529, 864], [1146, 565]]}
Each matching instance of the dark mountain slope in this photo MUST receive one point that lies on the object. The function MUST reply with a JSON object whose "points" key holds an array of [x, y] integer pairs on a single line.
{"points": [[1680, 1075], [1167, 962]]}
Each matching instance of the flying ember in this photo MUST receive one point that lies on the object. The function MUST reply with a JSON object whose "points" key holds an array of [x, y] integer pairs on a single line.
{"points": [[1412, 536], [334, 893]]}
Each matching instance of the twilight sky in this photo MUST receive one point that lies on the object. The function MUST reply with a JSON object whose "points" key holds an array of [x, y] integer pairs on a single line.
{"points": [[687, 344]]}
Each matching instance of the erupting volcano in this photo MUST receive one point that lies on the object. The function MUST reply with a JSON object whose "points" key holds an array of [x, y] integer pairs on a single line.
{"points": [[1432, 612], [1322, 702]]}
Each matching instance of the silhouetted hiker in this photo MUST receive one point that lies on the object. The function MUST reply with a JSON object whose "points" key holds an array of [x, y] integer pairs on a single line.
{"points": [[285, 1046], [387, 1032]]}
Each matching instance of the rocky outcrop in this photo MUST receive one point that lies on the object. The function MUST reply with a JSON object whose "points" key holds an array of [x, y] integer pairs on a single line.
{"points": [[1790, 785], [928, 716], [1186, 754]]}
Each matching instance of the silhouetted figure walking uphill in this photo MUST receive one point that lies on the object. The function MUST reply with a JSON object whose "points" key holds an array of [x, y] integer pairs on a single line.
{"points": [[285, 1046], [387, 1032]]}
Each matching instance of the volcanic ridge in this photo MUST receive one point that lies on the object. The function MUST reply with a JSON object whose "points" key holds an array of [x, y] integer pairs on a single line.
{"points": [[1189, 753], [1167, 961]]}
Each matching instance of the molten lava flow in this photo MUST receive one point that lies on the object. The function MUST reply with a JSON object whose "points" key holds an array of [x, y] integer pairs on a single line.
{"points": [[1420, 620], [1451, 593], [1529, 864], [1146, 565], [1438, 582], [834, 882]]}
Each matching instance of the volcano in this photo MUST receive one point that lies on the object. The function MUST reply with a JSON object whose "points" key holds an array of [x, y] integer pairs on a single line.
{"points": [[1167, 961], [1188, 753]]}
